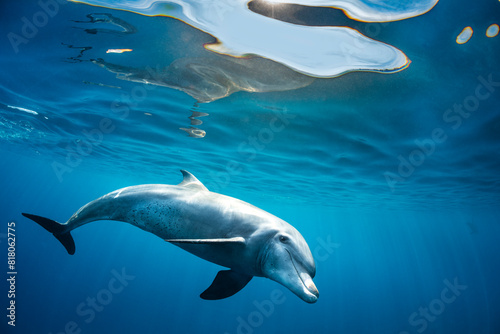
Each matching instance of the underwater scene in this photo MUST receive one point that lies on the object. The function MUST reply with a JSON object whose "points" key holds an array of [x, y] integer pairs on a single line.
{"points": [[264, 166]]}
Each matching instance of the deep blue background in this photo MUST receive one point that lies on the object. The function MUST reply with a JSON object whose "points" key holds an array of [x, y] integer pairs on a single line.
{"points": [[381, 266]]}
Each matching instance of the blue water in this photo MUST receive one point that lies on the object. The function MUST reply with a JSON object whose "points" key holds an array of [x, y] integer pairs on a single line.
{"points": [[397, 195]]}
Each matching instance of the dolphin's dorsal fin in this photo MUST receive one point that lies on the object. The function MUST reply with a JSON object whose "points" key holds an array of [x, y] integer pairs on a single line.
{"points": [[190, 181], [225, 284], [237, 240]]}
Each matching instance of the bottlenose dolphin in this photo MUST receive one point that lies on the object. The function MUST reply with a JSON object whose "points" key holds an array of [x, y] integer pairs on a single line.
{"points": [[218, 228]]}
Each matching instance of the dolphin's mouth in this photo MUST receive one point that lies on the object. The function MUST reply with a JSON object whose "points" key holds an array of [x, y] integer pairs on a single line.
{"points": [[310, 293]]}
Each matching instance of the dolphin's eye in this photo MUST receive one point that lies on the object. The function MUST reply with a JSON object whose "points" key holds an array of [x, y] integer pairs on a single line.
{"points": [[283, 238]]}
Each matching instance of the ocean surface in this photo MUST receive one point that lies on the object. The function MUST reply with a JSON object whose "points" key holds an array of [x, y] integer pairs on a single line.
{"points": [[389, 167]]}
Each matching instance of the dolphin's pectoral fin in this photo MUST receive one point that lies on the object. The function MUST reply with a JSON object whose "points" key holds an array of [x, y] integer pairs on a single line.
{"points": [[207, 241], [225, 284], [191, 181]]}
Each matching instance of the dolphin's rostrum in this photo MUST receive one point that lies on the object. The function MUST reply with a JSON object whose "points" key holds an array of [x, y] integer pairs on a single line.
{"points": [[220, 229]]}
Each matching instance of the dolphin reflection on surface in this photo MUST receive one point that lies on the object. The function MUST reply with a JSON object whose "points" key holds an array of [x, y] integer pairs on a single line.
{"points": [[210, 79]]}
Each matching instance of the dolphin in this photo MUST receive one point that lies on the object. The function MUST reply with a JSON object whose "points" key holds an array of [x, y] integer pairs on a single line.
{"points": [[217, 228]]}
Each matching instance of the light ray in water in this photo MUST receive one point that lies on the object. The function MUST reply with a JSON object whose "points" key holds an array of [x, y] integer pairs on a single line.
{"points": [[312, 50]]}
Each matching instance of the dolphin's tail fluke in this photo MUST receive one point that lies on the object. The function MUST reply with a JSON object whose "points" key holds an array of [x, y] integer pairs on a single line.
{"points": [[56, 229]]}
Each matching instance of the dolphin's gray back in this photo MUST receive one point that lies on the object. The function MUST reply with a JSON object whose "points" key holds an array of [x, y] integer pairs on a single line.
{"points": [[170, 212]]}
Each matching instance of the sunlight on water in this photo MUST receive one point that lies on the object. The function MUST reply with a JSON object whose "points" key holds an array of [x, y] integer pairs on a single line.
{"points": [[305, 49], [393, 180], [370, 10], [24, 109], [492, 30], [141, 111], [465, 35], [118, 50]]}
